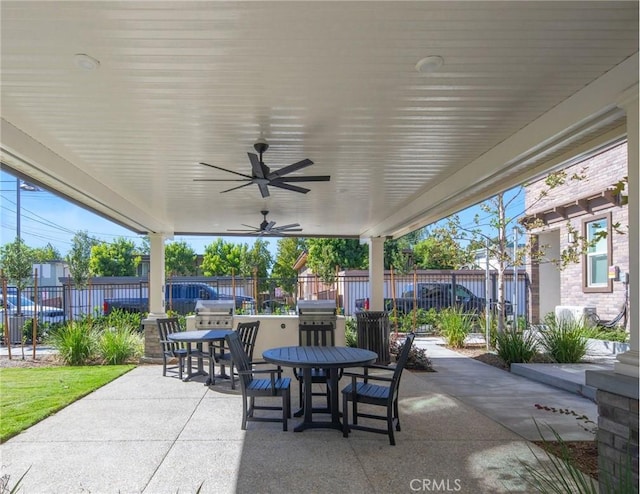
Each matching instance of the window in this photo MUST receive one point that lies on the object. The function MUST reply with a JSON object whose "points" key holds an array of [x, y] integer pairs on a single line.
{"points": [[597, 259]]}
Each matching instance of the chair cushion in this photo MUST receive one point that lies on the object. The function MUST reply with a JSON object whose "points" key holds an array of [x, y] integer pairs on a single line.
{"points": [[367, 390]]}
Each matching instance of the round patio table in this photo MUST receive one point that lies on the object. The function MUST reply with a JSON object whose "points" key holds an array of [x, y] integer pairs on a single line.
{"points": [[331, 358], [199, 337]]}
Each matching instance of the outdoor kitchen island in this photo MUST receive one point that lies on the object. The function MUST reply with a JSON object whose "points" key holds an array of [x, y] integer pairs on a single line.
{"points": [[276, 330]]}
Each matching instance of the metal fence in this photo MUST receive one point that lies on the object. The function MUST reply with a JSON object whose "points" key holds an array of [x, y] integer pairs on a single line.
{"points": [[347, 289]]}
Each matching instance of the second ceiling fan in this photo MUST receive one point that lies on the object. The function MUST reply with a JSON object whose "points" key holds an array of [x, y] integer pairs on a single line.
{"points": [[262, 176], [269, 227]]}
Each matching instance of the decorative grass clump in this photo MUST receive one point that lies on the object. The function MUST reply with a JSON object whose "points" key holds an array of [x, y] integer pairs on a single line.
{"points": [[76, 342], [515, 346], [455, 326], [119, 345], [564, 339]]}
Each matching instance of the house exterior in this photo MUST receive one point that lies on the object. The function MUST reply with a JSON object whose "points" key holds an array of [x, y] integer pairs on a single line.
{"points": [[585, 207]]}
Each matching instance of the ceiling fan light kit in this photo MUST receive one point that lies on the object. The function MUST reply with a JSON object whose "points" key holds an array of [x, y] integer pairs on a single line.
{"points": [[262, 176]]}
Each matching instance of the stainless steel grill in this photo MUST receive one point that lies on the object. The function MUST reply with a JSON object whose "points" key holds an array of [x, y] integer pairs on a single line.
{"points": [[214, 314], [312, 312]]}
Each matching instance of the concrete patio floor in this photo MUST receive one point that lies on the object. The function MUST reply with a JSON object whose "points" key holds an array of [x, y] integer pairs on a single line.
{"points": [[464, 429]]}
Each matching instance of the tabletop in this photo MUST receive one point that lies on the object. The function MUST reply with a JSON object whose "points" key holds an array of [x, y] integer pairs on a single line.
{"points": [[200, 335], [319, 356]]}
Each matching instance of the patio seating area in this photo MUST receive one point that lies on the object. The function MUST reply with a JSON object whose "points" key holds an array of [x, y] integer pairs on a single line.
{"points": [[466, 425]]}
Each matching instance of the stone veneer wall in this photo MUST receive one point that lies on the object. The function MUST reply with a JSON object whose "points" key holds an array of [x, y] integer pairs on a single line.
{"points": [[152, 347], [618, 420]]}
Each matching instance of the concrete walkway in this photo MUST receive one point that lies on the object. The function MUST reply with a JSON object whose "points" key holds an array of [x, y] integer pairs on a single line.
{"points": [[464, 429]]}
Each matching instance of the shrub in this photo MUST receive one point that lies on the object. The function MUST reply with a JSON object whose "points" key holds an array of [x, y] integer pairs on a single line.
{"points": [[351, 332], [455, 325], [119, 319], [515, 346], [120, 344], [75, 342], [417, 358], [609, 334], [564, 339]]}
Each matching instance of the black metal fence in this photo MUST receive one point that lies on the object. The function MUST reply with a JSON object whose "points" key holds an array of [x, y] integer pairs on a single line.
{"points": [[350, 290]]}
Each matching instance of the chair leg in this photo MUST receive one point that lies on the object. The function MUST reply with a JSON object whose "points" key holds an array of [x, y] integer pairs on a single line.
{"points": [[164, 365], [180, 365], [285, 409], [233, 379], [392, 440], [345, 415], [355, 411], [396, 414], [300, 398]]}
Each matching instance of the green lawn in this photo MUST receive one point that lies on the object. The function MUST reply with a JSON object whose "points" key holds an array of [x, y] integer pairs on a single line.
{"points": [[28, 395]]}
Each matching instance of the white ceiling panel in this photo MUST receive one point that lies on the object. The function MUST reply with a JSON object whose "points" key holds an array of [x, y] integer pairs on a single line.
{"points": [[180, 83]]}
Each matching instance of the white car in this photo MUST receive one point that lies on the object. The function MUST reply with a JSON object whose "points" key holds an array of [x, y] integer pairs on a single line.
{"points": [[45, 314]]}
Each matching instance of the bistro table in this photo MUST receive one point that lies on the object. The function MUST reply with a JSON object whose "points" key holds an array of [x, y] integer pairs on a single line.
{"points": [[331, 358], [199, 337]]}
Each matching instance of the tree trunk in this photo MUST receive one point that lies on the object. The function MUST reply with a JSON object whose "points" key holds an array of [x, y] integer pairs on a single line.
{"points": [[502, 249]]}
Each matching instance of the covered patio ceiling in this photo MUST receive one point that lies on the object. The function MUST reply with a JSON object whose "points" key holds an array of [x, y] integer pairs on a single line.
{"points": [[523, 86]]}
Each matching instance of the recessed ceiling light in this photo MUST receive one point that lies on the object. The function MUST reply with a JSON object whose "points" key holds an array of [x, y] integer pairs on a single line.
{"points": [[429, 64], [85, 62]]}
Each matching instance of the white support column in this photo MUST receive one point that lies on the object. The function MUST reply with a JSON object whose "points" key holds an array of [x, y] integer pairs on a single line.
{"points": [[156, 276], [627, 363], [376, 273]]}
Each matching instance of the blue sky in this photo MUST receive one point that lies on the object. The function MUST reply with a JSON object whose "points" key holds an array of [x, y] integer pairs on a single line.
{"points": [[46, 218]]}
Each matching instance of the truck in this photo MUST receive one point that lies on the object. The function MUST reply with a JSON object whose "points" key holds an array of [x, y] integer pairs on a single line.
{"points": [[438, 296], [180, 297]]}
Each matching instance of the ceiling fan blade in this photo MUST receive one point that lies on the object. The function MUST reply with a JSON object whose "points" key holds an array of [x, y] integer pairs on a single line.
{"points": [[243, 231], [289, 169], [264, 190], [286, 227], [294, 188], [310, 178], [269, 226], [221, 180], [235, 188], [225, 170], [255, 165], [289, 230]]}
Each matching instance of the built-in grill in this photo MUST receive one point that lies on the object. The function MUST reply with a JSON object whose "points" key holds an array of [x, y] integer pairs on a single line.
{"points": [[214, 314], [312, 312]]}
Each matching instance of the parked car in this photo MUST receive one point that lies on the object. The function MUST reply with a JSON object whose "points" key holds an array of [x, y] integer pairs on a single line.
{"points": [[183, 298], [436, 296], [27, 308]]}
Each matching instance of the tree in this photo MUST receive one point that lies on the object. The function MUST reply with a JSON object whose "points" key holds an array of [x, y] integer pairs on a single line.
{"points": [[114, 259], [224, 258], [46, 254], [327, 253], [16, 261], [398, 253], [78, 258], [289, 249], [179, 259], [258, 260], [441, 250]]}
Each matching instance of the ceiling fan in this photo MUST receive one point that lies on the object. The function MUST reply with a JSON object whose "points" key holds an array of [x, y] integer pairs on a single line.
{"points": [[262, 176], [269, 227]]}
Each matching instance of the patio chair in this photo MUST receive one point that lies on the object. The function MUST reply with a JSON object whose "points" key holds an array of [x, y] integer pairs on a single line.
{"points": [[247, 332], [361, 391], [171, 349], [315, 335], [275, 385]]}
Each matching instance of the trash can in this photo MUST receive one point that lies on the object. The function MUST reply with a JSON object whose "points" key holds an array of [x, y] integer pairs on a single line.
{"points": [[373, 334], [16, 323]]}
